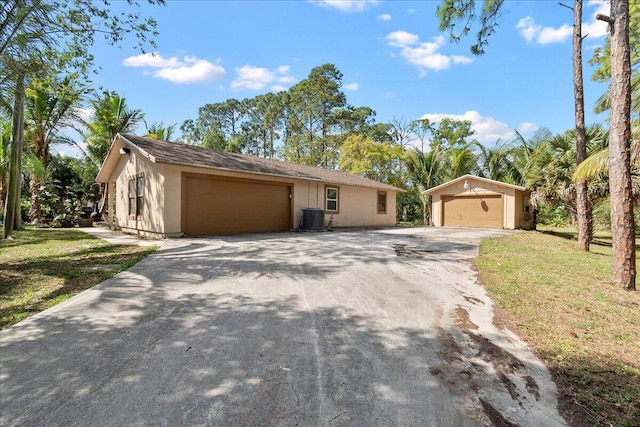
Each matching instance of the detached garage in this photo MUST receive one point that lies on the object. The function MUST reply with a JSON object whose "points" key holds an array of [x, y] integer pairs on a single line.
{"points": [[165, 189], [471, 201]]}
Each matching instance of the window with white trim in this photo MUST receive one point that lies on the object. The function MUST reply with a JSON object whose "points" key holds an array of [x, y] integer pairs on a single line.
{"points": [[331, 199]]}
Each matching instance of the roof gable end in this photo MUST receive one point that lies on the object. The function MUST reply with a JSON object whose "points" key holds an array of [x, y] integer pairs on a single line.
{"points": [[478, 178]]}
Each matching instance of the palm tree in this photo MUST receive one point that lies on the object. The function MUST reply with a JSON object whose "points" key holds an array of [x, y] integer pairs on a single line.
{"points": [[49, 105], [596, 166], [111, 116], [528, 154], [551, 175], [159, 131], [426, 171], [460, 159], [5, 137], [499, 162]]}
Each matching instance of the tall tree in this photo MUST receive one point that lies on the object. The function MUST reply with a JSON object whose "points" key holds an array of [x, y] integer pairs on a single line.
{"points": [[312, 119], [583, 204], [451, 133], [602, 61], [53, 36], [499, 162], [12, 205], [5, 138], [264, 115], [361, 155], [111, 115], [49, 105], [622, 220], [452, 13], [425, 171]]}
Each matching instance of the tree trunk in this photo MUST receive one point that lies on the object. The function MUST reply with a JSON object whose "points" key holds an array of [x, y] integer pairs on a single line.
{"points": [[35, 210], [12, 205], [622, 221], [583, 204]]}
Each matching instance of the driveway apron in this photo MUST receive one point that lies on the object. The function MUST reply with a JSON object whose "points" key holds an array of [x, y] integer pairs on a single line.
{"points": [[358, 328]]}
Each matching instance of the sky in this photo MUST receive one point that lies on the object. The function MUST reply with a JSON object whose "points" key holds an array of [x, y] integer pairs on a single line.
{"points": [[391, 53]]}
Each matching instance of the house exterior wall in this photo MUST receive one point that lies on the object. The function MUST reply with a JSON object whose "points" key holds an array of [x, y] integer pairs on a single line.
{"points": [[357, 205], [152, 221], [523, 210], [514, 215]]}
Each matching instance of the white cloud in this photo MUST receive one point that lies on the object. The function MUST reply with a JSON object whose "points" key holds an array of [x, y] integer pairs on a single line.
{"points": [[424, 55], [153, 60], [487, 129], [527, 28], [527, 127], [189, 69], [550, 35], [257, 78], [346, 5], [536, 33], [594, 28], [85, 114], [401, 39], [384, 17], [352, 86]]}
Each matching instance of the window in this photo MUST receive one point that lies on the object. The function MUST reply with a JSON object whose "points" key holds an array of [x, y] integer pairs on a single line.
{"points": [[382, 202], [136, 193], [331, 204]]}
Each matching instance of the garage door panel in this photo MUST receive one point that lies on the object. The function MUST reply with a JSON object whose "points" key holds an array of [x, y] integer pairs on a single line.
{"points": [[473, 211], [220, 206]]}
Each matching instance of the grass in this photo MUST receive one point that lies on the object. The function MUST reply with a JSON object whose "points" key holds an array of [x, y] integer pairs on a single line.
{"points": [[40, 268], [562, 302]]}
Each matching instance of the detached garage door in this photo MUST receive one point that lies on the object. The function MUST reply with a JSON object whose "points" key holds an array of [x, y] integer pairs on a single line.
{"points": [[228, 206], [475, 211]]}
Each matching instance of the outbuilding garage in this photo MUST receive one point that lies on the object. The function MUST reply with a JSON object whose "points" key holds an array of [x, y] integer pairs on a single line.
{"points": [[471, 201]]}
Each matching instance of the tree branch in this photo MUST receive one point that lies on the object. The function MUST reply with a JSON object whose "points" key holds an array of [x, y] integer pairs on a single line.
{"points": [[609, 20], [568, 7]]}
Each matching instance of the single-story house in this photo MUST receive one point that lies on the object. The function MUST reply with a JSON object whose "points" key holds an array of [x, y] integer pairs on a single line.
{"points": [[166, 189], [471, 201]]}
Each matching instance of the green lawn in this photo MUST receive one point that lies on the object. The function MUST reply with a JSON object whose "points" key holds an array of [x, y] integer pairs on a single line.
{"points": [[561, 301], [40, 268]]}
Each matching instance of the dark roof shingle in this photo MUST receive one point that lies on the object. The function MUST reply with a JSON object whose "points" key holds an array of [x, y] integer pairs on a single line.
{"points": [[191, 155]]}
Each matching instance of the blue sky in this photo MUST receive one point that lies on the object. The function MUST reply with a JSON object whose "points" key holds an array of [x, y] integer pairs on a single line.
{"points": [[391, 54]]}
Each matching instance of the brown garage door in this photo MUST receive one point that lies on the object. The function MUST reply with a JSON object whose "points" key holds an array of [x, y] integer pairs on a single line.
{"points": [[473, 211], [229, 206]]}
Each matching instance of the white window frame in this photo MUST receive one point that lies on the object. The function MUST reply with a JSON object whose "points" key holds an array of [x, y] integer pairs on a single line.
{"points": [[336, 199]]}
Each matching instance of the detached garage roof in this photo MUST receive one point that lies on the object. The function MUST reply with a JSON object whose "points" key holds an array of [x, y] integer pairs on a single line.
{"points": [[191, 155], [477, 178]]}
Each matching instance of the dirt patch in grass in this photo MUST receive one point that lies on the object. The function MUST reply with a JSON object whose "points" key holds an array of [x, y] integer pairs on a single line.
{"points": [[40, 268], [561, 301]]}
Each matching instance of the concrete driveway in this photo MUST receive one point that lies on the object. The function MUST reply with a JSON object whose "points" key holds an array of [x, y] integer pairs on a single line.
{"points": [[358, 328]]}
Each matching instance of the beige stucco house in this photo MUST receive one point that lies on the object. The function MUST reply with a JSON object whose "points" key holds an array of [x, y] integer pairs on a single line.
{"points": [[164, 189], [471, 201]]}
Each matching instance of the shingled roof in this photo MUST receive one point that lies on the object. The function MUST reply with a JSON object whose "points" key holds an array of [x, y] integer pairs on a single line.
{"points": [[192, 155]]}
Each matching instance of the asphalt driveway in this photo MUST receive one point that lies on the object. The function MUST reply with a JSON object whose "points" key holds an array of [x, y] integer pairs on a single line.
{"points": [[359, 328]]}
